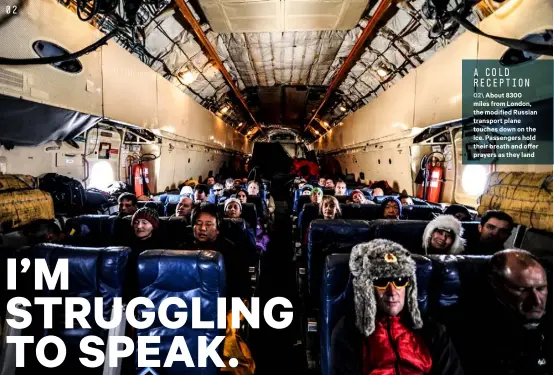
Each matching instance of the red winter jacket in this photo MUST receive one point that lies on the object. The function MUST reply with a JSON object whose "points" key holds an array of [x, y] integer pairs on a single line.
{"points": [[393, 349]]}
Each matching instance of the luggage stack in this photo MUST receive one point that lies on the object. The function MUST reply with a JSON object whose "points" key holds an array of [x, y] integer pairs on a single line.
{"points": [[22, 202]]}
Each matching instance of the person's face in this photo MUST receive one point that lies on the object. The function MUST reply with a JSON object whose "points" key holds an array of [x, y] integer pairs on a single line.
{"points": [[441, 239], [306, 192], [358, 198], [184, 207], [229, 185], [340, 189], [199, 196], [321, 182], [301, 185], [233, 210], [316, 197], [143, 229], [211, 180], [218, 192], [205, 228], [525, 291], [391, 211], [126, 207], [241, 196], [378, 192], [329, 184], [390, 299], [253, 189], [495, 231], [329, 210], [406, 201]]}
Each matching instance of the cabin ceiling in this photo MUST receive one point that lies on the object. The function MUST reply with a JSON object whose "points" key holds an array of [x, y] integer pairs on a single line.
{"points": [[282, 55]]}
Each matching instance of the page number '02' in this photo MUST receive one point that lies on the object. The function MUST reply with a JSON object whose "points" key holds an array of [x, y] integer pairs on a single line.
{"points": [[11, 9]]}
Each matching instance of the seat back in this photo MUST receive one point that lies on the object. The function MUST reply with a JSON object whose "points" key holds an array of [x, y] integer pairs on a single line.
{"points": [[92, 272], [174, 232], [94, 230], [257, 202], [337, 297], [343, 198], [329, 192], [421, 212], [308, 214], [328, 237], [186, 275], [158, 206], [408, 233], [302, 200], [538, 242], [356, 211]]}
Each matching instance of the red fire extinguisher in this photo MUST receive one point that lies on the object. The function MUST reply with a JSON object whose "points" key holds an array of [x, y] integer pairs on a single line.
{"points": [[140, 179], [429, 179]]}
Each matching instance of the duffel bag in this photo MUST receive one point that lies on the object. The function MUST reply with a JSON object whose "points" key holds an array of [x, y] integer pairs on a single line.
{"points": [[68, 194], [18, 208]]}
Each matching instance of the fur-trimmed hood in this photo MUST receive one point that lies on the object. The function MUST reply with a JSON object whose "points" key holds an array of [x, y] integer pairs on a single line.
{"points": [[445, 222], [374, 260]]}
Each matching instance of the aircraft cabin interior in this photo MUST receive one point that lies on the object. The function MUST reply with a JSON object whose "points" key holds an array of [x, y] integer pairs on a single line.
{"points": [[314, 151]]}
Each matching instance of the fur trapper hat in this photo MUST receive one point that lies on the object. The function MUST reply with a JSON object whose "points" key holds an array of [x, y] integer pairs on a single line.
{"points": [[379, 259], [449, 223]]}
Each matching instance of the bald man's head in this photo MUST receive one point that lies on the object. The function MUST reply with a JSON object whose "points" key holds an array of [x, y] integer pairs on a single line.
{"points": [[184, 207], [520, 283]]}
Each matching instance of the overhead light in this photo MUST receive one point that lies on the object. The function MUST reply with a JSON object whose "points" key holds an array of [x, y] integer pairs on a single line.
{"points": [[224, 109], [317, 132], [211, 138], [343, 108], [326, 124], [382, 72], [188, 75]]}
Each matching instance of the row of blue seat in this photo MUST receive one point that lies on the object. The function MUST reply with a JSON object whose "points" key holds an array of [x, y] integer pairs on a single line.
{"points": [[100, 272], [339, 236], [446, 285]]}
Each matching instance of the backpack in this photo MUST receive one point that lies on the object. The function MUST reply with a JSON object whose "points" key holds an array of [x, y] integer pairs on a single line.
{"points": [[68, 194]]}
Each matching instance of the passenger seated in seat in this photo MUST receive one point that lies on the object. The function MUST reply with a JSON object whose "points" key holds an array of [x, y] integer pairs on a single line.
{"points": [[307, 189], [205, 227], [443, 235], [183, 210], [378, 192], [495, 228], [391, 208], [201, 192], [233, 210], [458, 211], [187, 191], [329, 184], [340, 188], [509, 332], [42, 231], [405, 199], [254, 190], [229, 184], [329, 208], [321, 182], [242, 196], [316, 196], [357, 196], [127, 204], [145, 223], [210, 181], [385, 334], [218, 192]]}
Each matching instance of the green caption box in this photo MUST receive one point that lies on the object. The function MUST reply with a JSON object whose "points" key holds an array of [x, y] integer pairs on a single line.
{"points": [[507, 112]]}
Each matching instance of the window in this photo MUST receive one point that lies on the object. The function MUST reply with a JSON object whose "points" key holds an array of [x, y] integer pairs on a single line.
{"points": [[101, 175], [474, 179]]}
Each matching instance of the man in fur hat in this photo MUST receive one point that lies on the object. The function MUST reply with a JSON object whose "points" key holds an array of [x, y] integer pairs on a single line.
{"points": [[443, 235], [387, 334]]}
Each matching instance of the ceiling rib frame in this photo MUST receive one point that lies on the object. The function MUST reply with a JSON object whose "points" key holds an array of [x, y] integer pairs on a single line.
{"points": [[354, 54], [209, 48]]}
